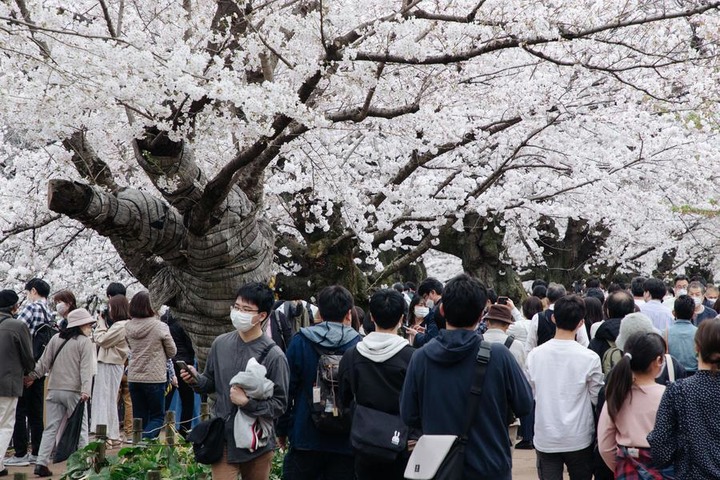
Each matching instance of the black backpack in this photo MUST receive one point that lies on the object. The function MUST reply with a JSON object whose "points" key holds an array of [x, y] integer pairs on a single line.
{"points": [[43, 334], [546, 328], [325, 411]]}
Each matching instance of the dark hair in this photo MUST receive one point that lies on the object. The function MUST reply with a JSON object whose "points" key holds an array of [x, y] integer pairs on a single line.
{"points": [[696, 285], [555, 292], [66, 297], [684, 307], [644, 348], [636, 286], [614, 287], [463, 301], [538, 282], [592, 282], [140, 306], [258, 294], [411, 308], [428, 285], [539, 291], [387, 308], [619, 304], [118, 309], [357, 316], [115, 288], [679, 278], [410, 286], [568, 312], [595, 293], [593, 310], [68, 333], [656, 287], [492, 296], [398, 286], [40, 286], [531, 306], [707, 342], [716, 305], [334, 303]]}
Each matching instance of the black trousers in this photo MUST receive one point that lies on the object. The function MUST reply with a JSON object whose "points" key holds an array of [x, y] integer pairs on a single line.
{"points": [[367, 469], [579, 464], [187, 400], [312, 465], [29, 412]]}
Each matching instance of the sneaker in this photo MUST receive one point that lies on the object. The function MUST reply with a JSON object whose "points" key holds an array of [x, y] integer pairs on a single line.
{"points": [[524, 445], [23, 461], [32, 459], [4, 472], [42, 471]]}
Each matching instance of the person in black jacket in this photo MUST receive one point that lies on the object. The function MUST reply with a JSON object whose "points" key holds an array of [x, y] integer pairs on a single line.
{"points": [[372, 373], [186, 353], [618, 305]]}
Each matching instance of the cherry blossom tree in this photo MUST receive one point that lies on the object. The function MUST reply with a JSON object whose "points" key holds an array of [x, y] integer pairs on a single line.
{"points": [[342, 140]]}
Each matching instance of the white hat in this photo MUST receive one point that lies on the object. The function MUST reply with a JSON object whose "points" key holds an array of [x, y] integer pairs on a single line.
{"points": [[79, 317], [633, 323]]}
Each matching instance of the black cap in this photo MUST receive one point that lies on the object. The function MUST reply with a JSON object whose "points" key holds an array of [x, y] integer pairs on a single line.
{"points": [[8, 298]]}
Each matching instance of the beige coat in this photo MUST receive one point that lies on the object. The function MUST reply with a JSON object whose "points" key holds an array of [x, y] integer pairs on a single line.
{"points": [[113, 347], [72, 370], [151, 345]]}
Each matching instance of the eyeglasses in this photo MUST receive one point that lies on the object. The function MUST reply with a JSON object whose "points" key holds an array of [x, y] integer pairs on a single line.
{"points": [[243, 309]]}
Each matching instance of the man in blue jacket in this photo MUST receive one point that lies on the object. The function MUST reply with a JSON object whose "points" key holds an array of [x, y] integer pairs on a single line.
{"points": [[313, 453], [440, 375]]}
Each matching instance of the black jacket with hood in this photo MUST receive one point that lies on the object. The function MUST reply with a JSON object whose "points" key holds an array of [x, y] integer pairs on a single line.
{"points": [[606, 333]]}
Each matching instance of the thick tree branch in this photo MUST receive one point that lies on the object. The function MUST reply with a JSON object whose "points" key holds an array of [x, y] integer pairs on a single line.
{"points": [[88, 163]]}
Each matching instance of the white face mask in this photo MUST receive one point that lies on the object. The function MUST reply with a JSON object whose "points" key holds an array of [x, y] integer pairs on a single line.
{"points": [[421, 312], [429, 304], [711, 300], [61, 308], [242, 321], [697, 300], [682, 291]]}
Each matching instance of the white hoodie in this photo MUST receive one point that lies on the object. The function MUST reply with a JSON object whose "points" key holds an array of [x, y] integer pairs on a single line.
{"points": [[380, 347]]}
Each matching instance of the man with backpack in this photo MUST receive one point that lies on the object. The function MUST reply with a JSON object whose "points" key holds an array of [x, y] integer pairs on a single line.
{"points": [[618, 304], [542, 328], [317, 426], [371, 377], [439, 380], [230, 354], [31, 405]]}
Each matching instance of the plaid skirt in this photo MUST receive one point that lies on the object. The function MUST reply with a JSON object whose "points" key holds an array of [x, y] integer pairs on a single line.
{"points": [[640, 467]]}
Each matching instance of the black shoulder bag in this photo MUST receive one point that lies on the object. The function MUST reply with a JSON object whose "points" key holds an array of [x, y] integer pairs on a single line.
{"points": [[442, 457], [208, 437]]}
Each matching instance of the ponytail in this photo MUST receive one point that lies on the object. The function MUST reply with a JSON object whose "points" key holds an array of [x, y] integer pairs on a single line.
{"points": [[618, 385]]}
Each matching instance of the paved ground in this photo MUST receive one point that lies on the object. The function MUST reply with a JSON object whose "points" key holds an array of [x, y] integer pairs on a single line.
{"points": [[523, 467]]}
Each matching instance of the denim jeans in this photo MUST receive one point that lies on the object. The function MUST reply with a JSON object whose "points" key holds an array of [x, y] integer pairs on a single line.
{"points": [[148, 401]]}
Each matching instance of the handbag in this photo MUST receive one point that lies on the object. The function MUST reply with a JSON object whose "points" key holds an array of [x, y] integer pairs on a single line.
{"points": [[442, 457], [70, 437], [208, 441], [378, 434]]}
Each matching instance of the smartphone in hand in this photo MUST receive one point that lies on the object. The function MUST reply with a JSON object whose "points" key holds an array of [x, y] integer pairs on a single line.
{"points": [[502, 300], [184, 366]]}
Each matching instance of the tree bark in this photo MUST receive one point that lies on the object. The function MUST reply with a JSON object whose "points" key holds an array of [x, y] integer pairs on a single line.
{"points": [[480, 245]]}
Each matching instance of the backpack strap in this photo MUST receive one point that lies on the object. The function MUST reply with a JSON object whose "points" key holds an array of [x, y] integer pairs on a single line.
{"points": [[509, 341], [58, 353], [483, 358], [265, 352], [670, 367]]}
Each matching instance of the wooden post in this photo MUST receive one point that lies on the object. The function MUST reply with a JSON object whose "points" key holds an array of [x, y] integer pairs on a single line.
{"points": [[101, 435], [204, 411], [137, 431], [153, 475], [170, 428], [20, 476]]}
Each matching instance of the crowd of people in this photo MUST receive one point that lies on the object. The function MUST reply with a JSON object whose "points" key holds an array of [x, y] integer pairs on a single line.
{"points": [[613, 382]]}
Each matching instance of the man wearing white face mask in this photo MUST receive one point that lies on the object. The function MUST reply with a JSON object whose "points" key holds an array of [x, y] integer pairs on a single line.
{"points": [[229, 354], [696, 290], [431, 290]]}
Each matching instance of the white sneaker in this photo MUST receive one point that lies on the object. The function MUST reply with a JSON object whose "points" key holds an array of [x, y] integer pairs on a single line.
{"points": [[17, 461], [32, 458]]}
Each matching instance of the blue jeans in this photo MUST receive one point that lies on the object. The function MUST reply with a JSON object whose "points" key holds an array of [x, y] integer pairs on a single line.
{"points": [[148, 401]]}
